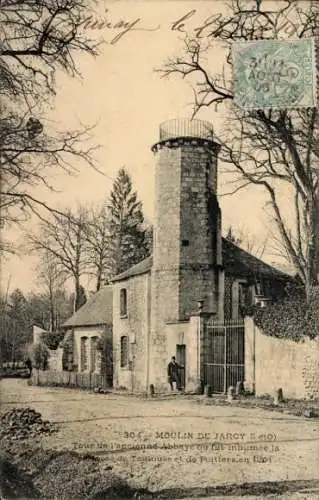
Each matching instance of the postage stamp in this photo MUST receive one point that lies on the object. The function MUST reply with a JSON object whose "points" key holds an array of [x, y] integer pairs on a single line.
{"points": [[275, 74]]}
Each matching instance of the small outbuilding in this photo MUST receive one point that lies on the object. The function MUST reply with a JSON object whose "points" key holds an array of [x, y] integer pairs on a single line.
{"points": [[89, 333]]}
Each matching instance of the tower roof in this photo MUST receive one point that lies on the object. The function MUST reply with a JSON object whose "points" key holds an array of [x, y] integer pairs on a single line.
{"points": [[184, 127], [179, 131]]}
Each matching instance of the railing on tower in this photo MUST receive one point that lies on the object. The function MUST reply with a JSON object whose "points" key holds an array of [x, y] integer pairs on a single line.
{"points": [[183, 127]]}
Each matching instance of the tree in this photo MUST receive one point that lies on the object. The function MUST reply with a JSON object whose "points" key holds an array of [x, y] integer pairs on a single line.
{"points": [[62, 238], [271, 149], [97, 235], [128, 234], [243, 239], [52, 279], [38, 39], [18, 323], [50, 311], [81, 299], [40, 356], [230, 236]]}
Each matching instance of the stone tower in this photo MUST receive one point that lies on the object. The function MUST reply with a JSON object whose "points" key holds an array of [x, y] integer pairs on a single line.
{"points": [[187, 239]]}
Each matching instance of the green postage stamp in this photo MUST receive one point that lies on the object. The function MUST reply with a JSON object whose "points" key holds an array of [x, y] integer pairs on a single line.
{"points": [[275, 74]]}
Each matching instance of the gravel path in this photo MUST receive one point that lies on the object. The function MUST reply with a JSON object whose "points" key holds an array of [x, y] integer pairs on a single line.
{"points": [[177, 443]]}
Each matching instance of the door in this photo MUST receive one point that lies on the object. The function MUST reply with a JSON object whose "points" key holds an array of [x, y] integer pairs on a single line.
{"points": [[181, 360]]}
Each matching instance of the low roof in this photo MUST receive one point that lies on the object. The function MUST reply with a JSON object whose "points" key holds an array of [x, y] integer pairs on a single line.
{"points": [[236, 261], [98, 310], [141, 268]]}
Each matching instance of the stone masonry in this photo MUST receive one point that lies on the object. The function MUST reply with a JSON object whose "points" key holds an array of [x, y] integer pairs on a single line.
{"points": [[187, 218]]}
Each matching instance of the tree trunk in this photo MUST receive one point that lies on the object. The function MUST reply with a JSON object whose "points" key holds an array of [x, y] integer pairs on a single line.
{"points": [[315, 241], [98, 280], [52, 314], [77, 299], [313, 249]]}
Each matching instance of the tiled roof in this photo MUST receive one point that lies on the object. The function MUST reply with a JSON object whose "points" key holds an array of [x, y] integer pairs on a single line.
{"points": [[142, 267], [98, 310], [236, 261]]}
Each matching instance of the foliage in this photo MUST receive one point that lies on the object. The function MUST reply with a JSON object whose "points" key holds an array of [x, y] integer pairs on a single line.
{"points": [[15, 325], [40, 356], [295, 317], [53, 339], [19, 313], [128, 234]]}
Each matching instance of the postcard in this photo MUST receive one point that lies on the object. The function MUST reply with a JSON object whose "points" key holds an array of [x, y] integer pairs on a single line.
{"points": [[159, 325]]}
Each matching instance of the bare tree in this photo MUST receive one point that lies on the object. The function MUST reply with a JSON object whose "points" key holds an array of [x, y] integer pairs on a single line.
{"points": [[38, 39], [63, 239], [52, 277], [97, 235], [247, 241], [271, 149]]}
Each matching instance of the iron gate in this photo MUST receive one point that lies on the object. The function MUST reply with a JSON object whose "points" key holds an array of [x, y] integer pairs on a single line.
{"points": [[224, 354]]}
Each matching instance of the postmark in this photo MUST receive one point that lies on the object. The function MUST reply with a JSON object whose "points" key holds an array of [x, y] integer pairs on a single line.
{"points": [[274, 74]]}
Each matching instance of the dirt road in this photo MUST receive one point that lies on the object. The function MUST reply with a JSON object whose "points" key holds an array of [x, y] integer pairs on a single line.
{"points": [[178, 443]]}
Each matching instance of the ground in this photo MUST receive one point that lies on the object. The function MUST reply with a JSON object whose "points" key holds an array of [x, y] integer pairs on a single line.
{"points": [[180, 446]]}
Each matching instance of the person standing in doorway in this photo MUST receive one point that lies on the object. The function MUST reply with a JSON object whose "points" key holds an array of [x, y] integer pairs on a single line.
{"points": [[173, 375]]}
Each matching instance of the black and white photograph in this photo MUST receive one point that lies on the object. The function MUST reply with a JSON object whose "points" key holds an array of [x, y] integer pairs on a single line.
{"points": [[159, 249]]}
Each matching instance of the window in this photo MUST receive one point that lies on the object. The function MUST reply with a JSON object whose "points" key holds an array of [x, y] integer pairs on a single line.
{"points": [[124, 351], [123, 302], [94, 341], [84, 354], [185, 243], [259, 288]]}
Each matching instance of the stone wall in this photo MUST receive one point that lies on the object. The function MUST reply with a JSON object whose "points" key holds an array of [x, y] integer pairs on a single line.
{"points": [[92, 360], [272, 363], [55, 360], [134, 325]]}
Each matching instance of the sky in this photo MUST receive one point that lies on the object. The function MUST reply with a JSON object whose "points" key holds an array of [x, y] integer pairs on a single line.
{"points": [[125, 100]]}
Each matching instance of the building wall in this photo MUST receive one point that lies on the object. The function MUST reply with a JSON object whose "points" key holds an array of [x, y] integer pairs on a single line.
{"points": [[55, 359], [272, 363], [88, 332], [134, 325], [188, 334]]}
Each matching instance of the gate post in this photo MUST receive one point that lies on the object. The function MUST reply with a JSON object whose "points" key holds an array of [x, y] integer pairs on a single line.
{"points": [[202, 347], [250, 360], [201, 343]]}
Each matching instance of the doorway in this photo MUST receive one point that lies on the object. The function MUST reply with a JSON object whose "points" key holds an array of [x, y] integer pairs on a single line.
{"points": [[181, 360]]}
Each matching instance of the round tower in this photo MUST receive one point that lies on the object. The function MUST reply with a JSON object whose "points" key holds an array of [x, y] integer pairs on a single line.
{"points": [[187, 240]]}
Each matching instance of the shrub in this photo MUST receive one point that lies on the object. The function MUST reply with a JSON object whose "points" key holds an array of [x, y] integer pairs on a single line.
{"points": [[295, 317], [40, 356], [53, 339]]}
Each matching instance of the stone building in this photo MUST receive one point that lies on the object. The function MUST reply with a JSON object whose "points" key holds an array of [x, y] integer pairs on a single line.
{"points": [[92, 322], [158, 308], [159, 304]]}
